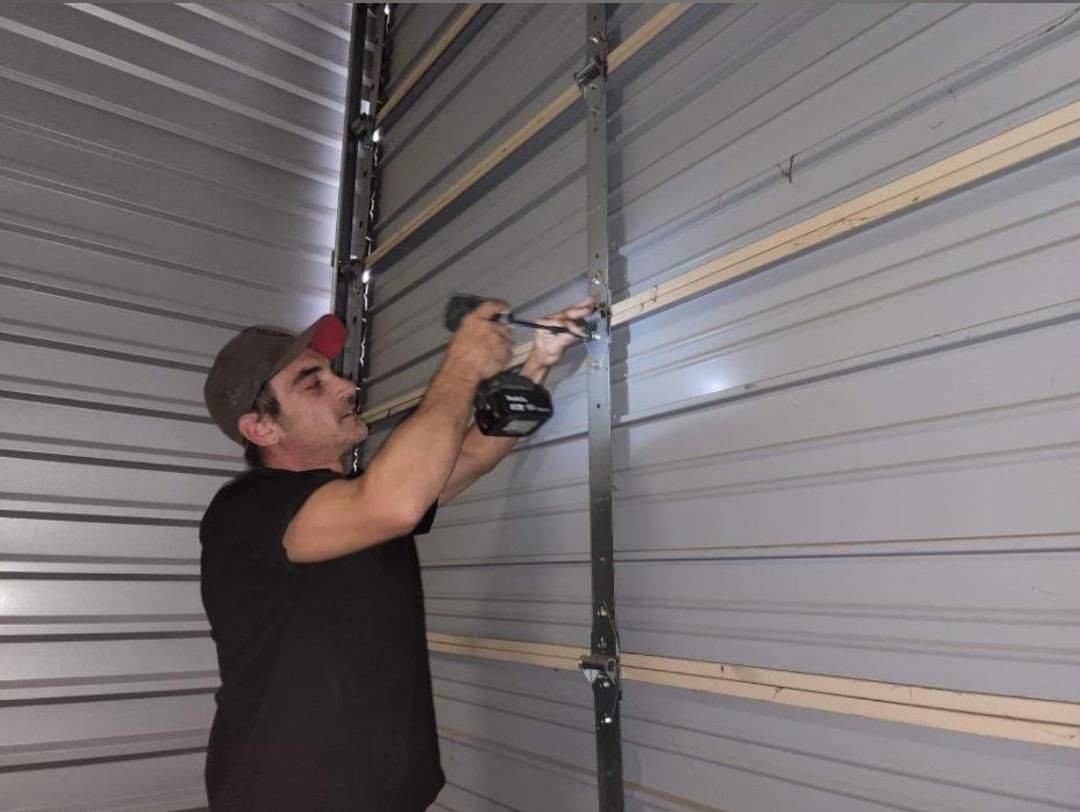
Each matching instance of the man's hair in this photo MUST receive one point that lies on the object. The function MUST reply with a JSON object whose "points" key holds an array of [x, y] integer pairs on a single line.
{"points": [[266, 405]]}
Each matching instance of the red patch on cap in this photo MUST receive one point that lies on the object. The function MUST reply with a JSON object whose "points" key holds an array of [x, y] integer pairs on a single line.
{"points": [[329, 336]]}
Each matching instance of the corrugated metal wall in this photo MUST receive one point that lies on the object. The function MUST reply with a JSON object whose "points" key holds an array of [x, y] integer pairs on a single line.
{"points": [[860, 462], [168, 176], [499, 724]]}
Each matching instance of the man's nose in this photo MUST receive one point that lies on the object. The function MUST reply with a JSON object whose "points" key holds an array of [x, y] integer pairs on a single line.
{"points": [[346, 389]]}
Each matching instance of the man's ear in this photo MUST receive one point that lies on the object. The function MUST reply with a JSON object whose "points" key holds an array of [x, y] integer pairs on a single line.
{"points": [[262, 431]]}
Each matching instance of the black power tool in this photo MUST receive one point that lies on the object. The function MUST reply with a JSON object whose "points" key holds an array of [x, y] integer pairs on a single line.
{"points": [[509, 404]]}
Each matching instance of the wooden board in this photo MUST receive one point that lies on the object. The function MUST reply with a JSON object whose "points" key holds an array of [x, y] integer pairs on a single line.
{"points": [[1038, 721]]}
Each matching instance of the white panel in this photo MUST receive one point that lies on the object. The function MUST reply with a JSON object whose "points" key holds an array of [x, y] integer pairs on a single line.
{"points": [[168, 176]]}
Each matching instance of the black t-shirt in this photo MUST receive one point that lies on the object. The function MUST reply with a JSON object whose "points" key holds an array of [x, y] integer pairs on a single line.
{"points": [[325, 701]]}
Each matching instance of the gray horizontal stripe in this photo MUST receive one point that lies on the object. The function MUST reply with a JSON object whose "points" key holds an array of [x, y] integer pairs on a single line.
{"points": [[131, 465], [99, 406], [94, 518], [116, 355]]}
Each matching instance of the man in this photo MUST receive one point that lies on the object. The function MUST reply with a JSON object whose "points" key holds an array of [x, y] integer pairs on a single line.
{"points": [[311, 581]]}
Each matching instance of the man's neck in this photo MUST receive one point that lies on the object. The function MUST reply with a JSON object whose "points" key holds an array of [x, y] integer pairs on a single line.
{"points": [[284, 460]]}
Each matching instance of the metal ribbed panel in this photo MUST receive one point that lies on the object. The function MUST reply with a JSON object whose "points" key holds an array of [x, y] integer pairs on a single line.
{"points": [[857, 462], [516, 240], [728, 754], [415, 34], [518, 61], [167, 176]]}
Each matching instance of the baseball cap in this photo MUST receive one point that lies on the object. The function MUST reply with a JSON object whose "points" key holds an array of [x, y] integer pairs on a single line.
{"points": [[255, 355]]}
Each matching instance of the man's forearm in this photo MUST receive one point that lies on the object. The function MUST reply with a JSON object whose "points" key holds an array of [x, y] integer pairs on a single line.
{"points": [[480, 453], [420, 455]]}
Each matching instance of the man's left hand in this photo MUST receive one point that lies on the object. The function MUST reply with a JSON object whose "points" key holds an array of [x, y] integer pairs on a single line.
{"points": [[549, 347]]}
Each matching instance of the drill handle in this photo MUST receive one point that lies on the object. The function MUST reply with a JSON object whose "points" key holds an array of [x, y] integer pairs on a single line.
{"points": [[458, 308]]}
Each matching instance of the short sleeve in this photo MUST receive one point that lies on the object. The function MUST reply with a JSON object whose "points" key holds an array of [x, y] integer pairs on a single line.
{"points": [[248, 518], [429, 519]]}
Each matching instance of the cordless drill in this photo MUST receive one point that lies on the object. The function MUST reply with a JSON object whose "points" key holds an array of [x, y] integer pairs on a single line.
{"points": [[508, 404]]}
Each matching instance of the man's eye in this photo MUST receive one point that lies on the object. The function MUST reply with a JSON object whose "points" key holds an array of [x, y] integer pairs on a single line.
{"points": [[316, 384]]}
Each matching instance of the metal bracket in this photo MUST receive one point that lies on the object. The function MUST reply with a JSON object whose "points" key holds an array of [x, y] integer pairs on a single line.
{"points": [[592, 325], [352, 272], [596, 67], [362, 128], [602, 673]]}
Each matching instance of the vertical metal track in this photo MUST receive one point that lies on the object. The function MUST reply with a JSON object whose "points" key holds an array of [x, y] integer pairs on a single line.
{"points": [[350, 147], [356, 194], [601, 667]]}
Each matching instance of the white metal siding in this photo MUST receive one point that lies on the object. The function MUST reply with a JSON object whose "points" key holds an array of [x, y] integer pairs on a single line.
{"points": [[860, 462], [168, 175]]}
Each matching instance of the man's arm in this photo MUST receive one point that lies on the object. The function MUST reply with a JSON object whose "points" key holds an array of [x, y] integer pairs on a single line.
{"points": [[479, 453], [411, 469]]}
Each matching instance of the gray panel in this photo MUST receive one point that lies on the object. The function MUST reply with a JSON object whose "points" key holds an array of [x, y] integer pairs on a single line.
{"points": [[704, 185], [731, 754], [180, 27], [857, 463], [518, 62], [509, 559], [910, 413], [510, 249], [416, 27], [168, 176], [513, 737], [155, 783]]}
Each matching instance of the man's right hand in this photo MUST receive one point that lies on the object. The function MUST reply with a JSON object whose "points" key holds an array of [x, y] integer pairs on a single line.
{"points": [[481, 347]]}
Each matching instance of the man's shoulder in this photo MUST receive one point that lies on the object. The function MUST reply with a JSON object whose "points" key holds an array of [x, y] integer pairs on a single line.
{"points": [[260, 489], [238, 487]]}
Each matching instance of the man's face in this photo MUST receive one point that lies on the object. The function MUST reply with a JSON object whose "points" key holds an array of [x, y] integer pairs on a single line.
{"points": [[317, 417]]}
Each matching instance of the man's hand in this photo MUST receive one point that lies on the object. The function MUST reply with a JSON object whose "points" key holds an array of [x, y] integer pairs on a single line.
{"points": [[549, 347], [479, 454], [481, 347]]}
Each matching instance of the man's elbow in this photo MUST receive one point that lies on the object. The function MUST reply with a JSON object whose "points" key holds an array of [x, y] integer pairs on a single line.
{"points": [[403, 518]]}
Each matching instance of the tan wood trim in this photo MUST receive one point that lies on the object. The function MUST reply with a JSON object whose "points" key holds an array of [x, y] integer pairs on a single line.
{"points": [[412, 77], [630, 46], [1039, 721], [551, 110], [1009, 149], [1013, 707]]}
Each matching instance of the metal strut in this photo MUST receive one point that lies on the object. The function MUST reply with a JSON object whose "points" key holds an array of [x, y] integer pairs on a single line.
{"points": [[357, 191], [601, 665]]}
